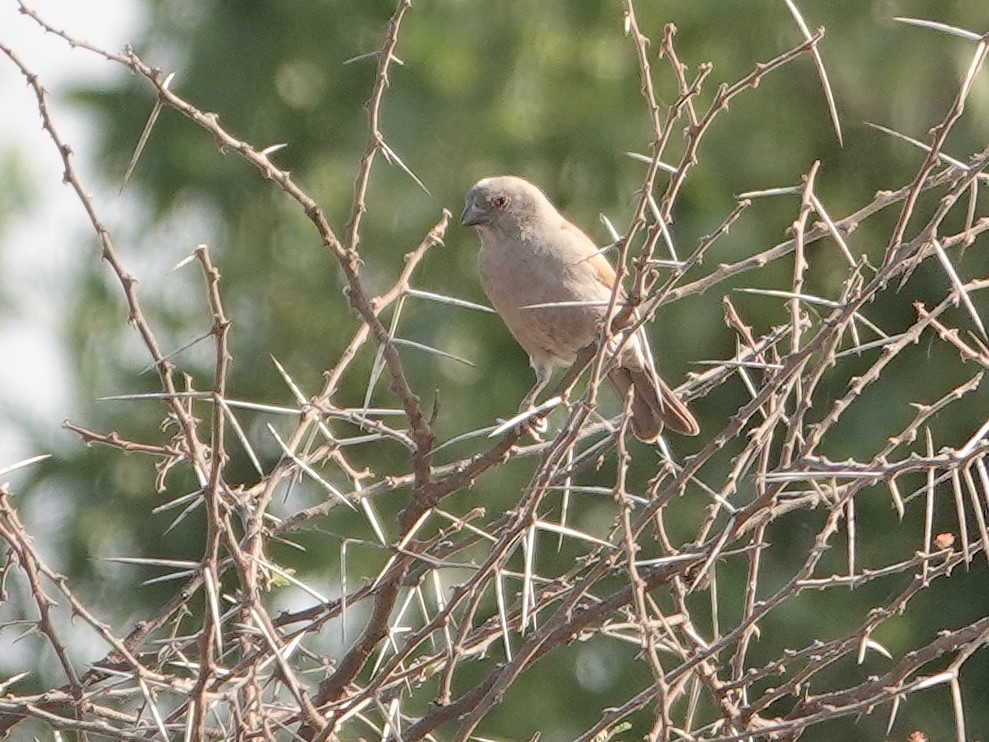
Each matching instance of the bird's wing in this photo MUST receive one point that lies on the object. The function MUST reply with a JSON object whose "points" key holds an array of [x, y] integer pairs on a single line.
{"points": [[599, 264]]}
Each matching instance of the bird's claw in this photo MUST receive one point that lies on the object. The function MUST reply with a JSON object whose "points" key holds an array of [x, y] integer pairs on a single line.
{"points": [[535, 428], [529, 421]]}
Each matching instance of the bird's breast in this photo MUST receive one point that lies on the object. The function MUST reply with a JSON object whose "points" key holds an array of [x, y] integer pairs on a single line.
{"points": [[517, 278]]}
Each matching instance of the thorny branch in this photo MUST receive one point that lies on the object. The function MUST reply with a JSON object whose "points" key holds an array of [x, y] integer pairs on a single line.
{"points": [[213, 657]]}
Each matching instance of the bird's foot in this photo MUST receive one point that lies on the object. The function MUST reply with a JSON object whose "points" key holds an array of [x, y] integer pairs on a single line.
{"points": [[530, 421], [535, 428]]}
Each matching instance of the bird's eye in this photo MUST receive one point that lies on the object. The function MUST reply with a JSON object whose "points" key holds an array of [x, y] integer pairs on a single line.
{"points": [[500, 201]]}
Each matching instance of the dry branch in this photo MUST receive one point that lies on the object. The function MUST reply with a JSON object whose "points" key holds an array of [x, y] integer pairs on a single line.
{"points": [[214, 662]]}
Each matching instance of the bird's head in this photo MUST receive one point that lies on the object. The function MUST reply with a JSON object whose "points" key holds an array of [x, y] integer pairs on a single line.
{"points": [[505, 203]]}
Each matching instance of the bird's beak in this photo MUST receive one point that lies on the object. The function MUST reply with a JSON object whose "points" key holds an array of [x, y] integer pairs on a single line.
{"points": [[472, 215]]}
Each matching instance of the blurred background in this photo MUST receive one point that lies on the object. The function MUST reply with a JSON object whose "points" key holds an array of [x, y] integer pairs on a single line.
{"points": [[547, 90]]}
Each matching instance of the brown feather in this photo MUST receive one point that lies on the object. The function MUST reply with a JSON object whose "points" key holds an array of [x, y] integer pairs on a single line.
{"points": [[531, 259]]}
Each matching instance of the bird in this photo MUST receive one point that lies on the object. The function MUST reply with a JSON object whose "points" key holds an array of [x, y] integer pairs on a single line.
{"points": [[531, 256]]}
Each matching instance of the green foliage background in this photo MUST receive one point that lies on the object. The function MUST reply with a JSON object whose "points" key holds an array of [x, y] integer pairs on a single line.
{"points": [[548, 90]]}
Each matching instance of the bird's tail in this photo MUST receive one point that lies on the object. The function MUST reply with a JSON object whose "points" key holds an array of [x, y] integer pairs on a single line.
{"points": [[654, 404]]}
